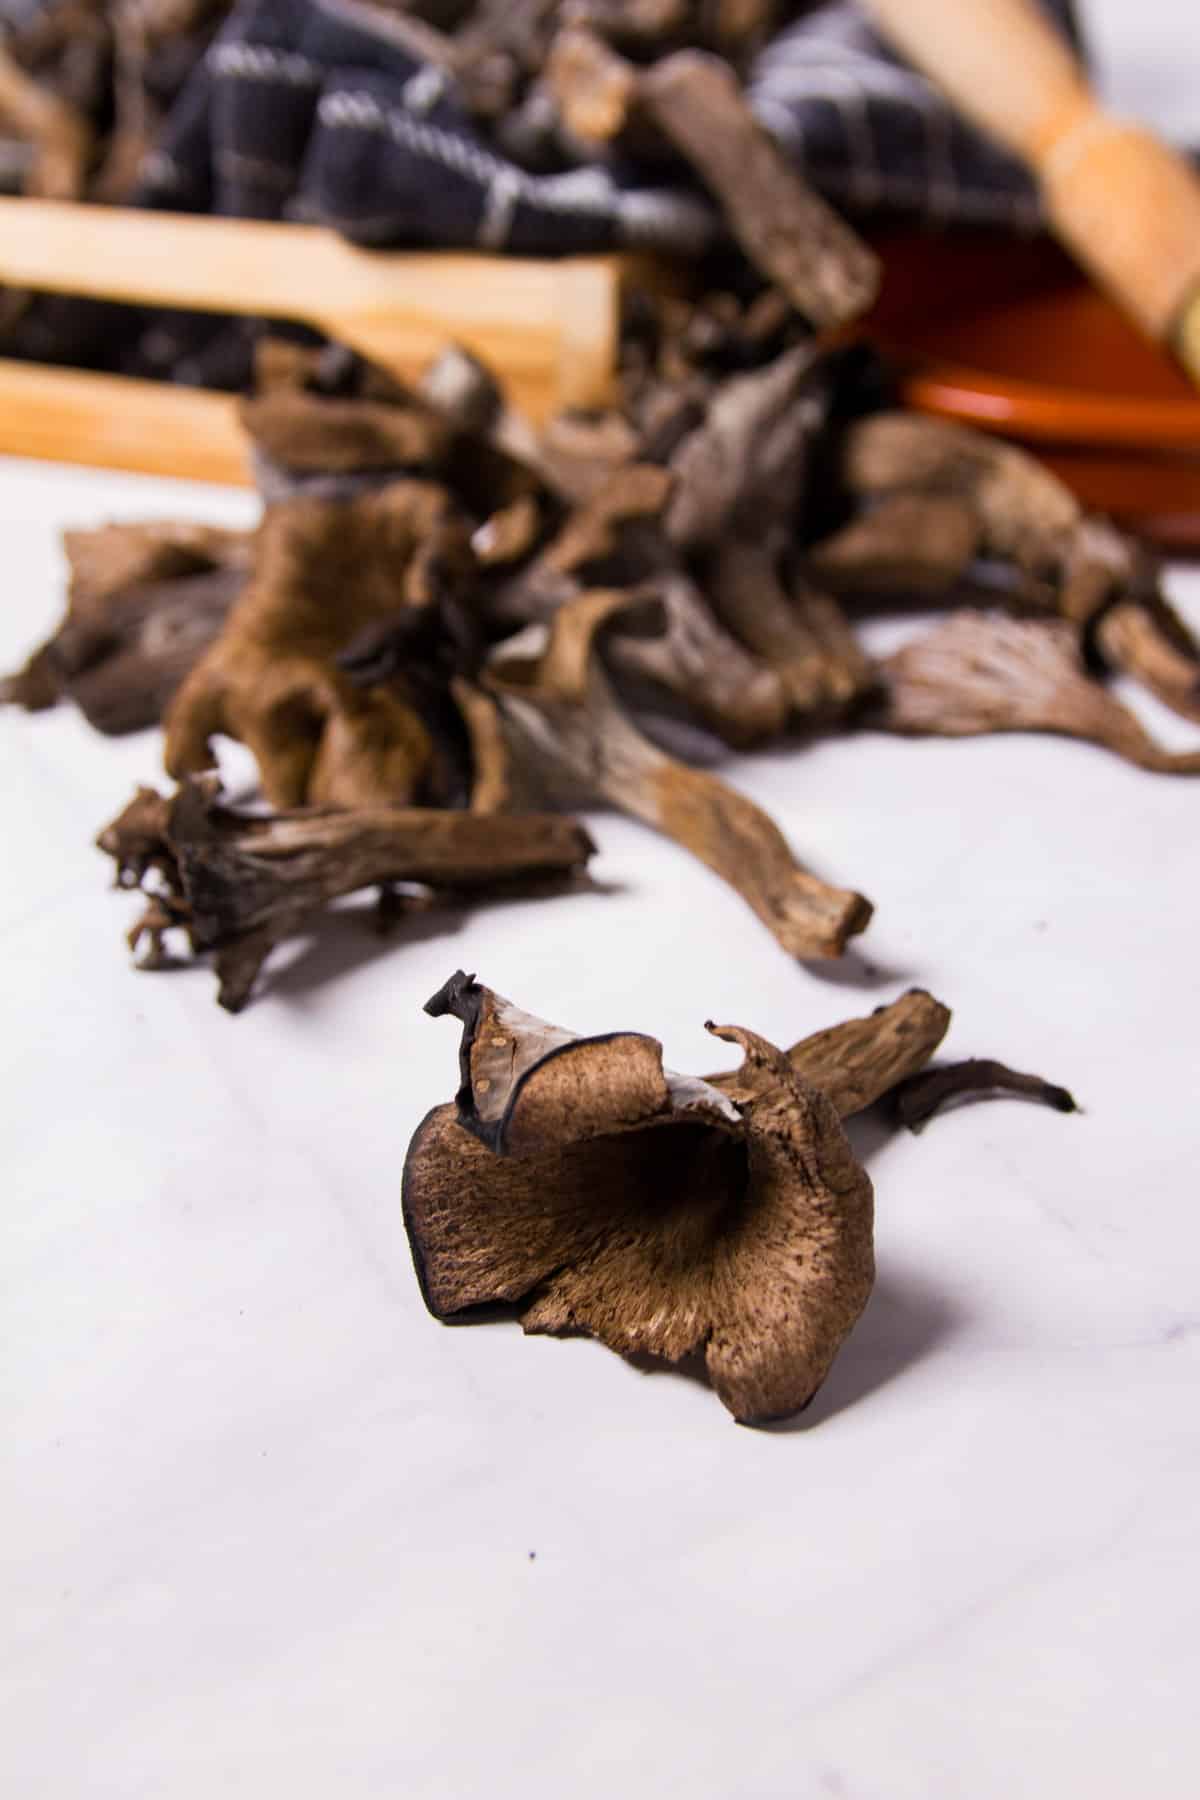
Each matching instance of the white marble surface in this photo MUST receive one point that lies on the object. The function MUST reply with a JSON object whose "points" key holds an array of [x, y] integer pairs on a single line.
{"points": [[268, 1530]]}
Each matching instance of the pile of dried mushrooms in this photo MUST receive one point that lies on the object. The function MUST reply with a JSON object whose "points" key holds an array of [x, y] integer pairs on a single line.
{"points": [[447, 609]]}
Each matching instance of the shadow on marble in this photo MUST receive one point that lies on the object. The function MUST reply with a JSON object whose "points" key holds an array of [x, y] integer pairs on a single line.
{"points": [[906, 1320], [343, 941], [856, 971], [346, 937]]}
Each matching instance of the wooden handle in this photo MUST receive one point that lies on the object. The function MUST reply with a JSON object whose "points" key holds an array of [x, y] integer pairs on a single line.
{"points": [[998, 60], [548, 328], [1125, 205]]}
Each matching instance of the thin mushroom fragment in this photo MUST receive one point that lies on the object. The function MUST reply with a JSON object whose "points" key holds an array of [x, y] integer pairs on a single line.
{"points": [[581, 1181], [920, 1097], [564, 721], [979, 673], [238, 883], [1056, 555], [594, 89], [611, 539], [304, 431], [578, 453], [1144, 638]]}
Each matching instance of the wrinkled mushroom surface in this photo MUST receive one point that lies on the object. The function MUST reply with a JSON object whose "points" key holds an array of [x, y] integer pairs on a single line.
{"points": [[978, 673], [583, 1181]]}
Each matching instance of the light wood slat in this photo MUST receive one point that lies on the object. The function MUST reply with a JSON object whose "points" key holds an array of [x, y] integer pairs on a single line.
{"points": [[111, 422], [549, 328]]}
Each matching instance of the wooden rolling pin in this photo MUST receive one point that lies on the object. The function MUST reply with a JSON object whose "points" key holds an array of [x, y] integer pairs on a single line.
{"points": [[550, 327], [1124, 204]]}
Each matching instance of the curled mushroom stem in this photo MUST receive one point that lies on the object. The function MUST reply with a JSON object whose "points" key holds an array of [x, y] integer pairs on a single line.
{"points": [[1149, 642], [696, 660], [918, 1098], [802, 638], [855, 1063], [561, 706]]}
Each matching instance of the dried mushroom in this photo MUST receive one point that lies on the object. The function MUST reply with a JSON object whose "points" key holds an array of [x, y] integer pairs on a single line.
{"points": [[324, 572], [238, 883], [594, 89], [1023, 511], [801, 636], [1145, 638], [743, 465], [565, 724], [695, 660], [919, 1097], [784, 227], [145, 602], [584, 1183], [907, 543], [979, 673], [1057, 556]]}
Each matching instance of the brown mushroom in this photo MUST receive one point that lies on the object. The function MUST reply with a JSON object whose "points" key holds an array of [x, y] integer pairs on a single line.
{"points": [[145, 602], [237, 883], [743, 466], [919, 1097], [580, 1180], [980, 673], [566, 726], [1023, 511], [324, 571], [803, 637], [1145, 638], [694, 659], [594, 89], [305, 431]]}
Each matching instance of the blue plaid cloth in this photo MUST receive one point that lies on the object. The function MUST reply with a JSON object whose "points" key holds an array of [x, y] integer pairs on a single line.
{"points": [[312, 109], [317, 110]]}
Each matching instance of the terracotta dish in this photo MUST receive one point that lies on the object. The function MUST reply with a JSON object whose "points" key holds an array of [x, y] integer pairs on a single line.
{"points": [[1010, 336]]}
